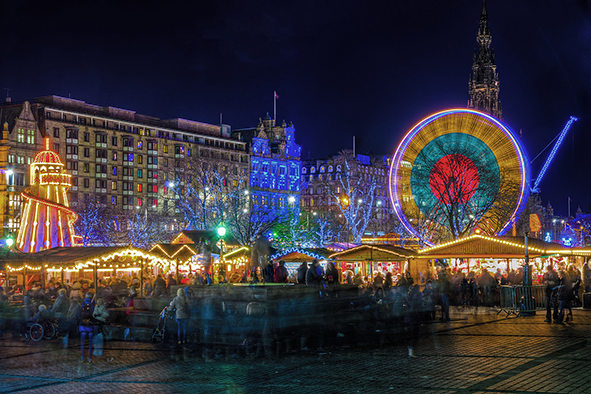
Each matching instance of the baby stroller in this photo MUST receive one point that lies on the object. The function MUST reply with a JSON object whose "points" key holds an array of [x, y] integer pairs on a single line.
{"points": [[160, 330]]}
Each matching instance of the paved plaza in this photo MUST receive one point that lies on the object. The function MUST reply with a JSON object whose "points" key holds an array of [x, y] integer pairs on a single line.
{"points": [[474, 353]]}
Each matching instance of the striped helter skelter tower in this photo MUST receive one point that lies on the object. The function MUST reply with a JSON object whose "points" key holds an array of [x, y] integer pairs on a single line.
{"points": [[47, 220]]}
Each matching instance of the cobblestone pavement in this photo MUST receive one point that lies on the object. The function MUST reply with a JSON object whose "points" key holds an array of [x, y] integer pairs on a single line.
{"points": [[480, 353]]}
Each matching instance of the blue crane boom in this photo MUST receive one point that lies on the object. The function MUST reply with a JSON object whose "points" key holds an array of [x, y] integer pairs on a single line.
{"points": [[552, 154]]}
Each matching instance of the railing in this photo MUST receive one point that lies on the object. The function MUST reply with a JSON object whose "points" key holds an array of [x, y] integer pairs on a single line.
{"points": [[520, 300]]}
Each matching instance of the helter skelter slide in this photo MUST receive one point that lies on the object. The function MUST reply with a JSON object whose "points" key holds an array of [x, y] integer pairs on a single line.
{"points": [[47, 220]]}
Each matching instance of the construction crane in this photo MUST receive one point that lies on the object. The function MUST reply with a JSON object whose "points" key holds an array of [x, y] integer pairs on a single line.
{"points": [[535, 188]]}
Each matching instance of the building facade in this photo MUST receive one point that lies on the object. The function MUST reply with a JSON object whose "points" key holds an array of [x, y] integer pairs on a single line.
{"points": [[275, 167], [327, 181], [115, 157], [484, 82]]}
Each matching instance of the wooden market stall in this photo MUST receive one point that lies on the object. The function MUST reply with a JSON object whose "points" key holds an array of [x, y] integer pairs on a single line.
{"points": [[476, 252], [68, 264], [369, 258]]}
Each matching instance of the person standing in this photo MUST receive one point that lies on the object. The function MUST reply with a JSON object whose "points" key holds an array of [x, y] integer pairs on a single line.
{"points": [[85, 327], [444, 288], [302, 271], [180, 304], [60, 310], [550, 280], [281, 273]]}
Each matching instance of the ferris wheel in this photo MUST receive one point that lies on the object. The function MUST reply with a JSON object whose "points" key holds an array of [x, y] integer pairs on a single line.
{"points": [[456, 172]]}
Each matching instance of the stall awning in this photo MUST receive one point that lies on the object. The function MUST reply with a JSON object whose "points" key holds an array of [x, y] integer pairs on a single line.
{"points": [[302, 254], [483, 246], [76, 258], [374, 253]]}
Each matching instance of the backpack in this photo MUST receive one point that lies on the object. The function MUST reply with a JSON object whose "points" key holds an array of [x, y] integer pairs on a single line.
{"points": [[85, 312]]}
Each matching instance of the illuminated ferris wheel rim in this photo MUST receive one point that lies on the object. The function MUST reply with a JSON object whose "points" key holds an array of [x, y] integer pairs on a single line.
{"points": [[407, 139]]}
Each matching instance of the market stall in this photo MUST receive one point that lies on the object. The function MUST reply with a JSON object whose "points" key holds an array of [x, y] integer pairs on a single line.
{"points": [[368, 259], [68, 264]]}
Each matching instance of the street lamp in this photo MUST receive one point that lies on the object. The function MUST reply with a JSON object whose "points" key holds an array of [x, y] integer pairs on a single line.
{"points": [[221, 230]]}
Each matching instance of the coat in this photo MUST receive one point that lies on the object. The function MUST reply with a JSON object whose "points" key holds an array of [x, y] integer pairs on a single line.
{"points": [[182, 307]]}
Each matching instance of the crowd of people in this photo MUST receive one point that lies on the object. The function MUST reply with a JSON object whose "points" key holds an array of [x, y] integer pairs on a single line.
{"points": [[388, 299]]}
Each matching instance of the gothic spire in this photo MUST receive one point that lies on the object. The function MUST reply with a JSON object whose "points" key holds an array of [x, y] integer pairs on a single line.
{"points": [[484, 81]]}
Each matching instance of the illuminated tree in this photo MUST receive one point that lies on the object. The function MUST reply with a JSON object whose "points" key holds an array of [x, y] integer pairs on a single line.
{"points": [[459, 197], [94, 224], [353, 192]]}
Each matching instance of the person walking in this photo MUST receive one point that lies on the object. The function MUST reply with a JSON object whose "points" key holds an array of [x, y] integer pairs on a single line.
{"points": [[302, 271], [180, 304]]}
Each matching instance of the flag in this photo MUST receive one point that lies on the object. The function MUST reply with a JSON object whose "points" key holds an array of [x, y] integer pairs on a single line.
{"points": [[276, 95]]}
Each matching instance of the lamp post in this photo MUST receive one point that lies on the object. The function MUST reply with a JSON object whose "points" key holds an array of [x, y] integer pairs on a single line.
{"points": [[345, 202], [221, 230]]}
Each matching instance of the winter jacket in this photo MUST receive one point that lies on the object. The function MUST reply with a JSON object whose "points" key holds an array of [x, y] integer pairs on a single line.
{"points": [[182, 307]]}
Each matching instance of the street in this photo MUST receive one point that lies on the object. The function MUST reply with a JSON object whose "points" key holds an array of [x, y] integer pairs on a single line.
{"points": [[474, 353]]}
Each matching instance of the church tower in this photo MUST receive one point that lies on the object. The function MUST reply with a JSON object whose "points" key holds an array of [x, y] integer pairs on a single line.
{"points": [[484, 81]]}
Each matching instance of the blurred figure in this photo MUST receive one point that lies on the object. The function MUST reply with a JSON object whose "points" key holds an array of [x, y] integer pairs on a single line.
{"points": [[85, 327], [281, 273], [302, 271]]}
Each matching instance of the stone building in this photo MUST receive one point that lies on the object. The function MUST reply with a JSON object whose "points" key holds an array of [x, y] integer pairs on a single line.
{"points": [[116, 157]]}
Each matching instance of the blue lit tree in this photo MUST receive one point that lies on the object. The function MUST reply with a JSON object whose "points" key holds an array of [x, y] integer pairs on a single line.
{"points": [[93, 224]]}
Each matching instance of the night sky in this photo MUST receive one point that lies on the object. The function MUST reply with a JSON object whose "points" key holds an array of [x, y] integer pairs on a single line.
{"points": [[370, 69]]}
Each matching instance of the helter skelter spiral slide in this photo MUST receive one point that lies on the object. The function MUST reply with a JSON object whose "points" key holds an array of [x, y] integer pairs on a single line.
{"points": [[457, 172]]}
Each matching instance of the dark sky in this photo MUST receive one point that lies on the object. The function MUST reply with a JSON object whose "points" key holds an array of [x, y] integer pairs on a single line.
{"points": [[370, 69]]}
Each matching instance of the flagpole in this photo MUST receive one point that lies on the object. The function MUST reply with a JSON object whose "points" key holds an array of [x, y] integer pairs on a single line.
{"points": [[569, 207], [274, 108]]}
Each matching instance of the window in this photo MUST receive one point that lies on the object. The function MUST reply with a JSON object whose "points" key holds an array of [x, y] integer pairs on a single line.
{"points": [[56, 132], [113, 185], [152, 160], [86, 136], [101, 138], [139, 202], [114, 200], [179, 150], [152, 145], [71, 150], [72, 165], [114, 141], [165, 148], [20, 135], [140, 159], [114, 155], [71, 133], [101, 168], [114, 170], [86, 168], [165, 162], [101, 184], [86, 183], [56, 147], [139, 187], [154, 202], [75, 179], [140, 145], [100, 153], [30, 136], [154, 189], [128, 157], [127, 171], [128, 142], [140, 173]]}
